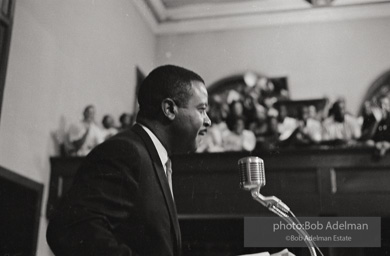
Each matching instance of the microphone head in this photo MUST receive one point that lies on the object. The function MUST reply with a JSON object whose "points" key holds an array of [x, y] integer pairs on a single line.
{"points": [[251, 172]]}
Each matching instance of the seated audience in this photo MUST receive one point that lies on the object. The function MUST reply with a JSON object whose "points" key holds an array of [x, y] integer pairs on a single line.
{"points": [[316, 114], [250, 103], [313, 112], [265, 116], [264, 129], [109, 128], [234, 95], [237, 138], [382, 131], [340, 126], [381, 128], [286, 125], [126, 121], [213, 140], [236, 110], [259, 126], [309, 129], [368, 120], [84, 136]]}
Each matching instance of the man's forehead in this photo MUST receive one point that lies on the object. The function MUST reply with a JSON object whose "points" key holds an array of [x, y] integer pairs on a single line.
{"points": [[201, 87], [199, 92]]}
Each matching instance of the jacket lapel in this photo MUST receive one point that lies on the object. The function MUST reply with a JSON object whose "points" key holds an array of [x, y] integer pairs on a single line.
{"points": [[160, 174]]}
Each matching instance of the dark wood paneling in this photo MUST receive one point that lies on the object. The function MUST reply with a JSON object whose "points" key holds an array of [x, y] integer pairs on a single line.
{"points": [[362, 180], [20, 204], [312, 182]]}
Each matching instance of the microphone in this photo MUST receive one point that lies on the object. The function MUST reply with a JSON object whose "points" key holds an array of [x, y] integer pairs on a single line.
{"points": [[252, 177], [251, 172]]}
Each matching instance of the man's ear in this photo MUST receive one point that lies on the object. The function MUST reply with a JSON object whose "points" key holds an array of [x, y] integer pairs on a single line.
{"points": [[169, 108]]}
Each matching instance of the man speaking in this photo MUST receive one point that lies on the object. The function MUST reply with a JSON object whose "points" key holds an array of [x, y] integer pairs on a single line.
{"points": [[121, 202]]}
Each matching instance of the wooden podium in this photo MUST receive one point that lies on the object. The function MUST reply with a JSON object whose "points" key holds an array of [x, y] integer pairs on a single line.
{"points": [[312, 182]]}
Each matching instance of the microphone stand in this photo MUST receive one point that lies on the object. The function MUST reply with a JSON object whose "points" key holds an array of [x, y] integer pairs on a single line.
{"points": [[276, 206]]}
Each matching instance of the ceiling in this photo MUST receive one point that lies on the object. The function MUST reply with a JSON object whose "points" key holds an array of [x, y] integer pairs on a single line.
{"points": [[184, 16]]}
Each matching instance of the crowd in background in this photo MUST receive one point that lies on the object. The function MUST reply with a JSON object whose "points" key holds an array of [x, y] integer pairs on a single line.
{"points": [[254, 119], [83, 136]]}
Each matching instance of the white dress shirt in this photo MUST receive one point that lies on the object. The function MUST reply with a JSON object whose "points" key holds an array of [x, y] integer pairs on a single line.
{"points": [[161, 151]]}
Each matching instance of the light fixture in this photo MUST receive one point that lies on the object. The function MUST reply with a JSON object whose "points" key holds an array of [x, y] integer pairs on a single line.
{"points": [[320, 3]]}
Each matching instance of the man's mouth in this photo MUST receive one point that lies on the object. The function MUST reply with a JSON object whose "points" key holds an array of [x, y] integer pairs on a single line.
{"points": [[203, 132]]}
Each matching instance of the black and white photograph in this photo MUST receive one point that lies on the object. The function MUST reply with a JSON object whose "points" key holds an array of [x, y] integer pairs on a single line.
{"points": [[194, 127]]}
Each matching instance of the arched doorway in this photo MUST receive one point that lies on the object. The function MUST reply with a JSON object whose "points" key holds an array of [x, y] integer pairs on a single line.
{"points": [[381, 86]]}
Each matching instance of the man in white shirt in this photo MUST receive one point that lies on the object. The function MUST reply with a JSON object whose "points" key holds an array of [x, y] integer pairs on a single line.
{"points": [[82, 137]]}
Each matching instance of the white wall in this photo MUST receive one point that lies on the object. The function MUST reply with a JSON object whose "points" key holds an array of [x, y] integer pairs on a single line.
{"points": [[65, 55], [320, 59]]}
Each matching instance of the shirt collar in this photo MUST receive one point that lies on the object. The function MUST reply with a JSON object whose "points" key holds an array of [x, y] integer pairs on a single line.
{"points": [[162, 152]]}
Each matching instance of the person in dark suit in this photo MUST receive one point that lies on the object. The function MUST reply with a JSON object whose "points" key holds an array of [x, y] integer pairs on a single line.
{"points": [[121, 202]]}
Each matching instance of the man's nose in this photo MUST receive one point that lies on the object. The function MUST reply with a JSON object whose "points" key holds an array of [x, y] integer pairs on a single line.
{"points": [[207, 121]]}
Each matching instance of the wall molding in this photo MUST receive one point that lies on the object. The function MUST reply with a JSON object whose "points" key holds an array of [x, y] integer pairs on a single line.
{"points": [[243, 20]]}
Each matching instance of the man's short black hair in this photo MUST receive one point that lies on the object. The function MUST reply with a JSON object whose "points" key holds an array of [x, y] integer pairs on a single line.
{"points": [[167, 81]]}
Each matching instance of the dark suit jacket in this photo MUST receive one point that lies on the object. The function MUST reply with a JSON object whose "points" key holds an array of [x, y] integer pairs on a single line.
{"points": [[119, 204]]}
